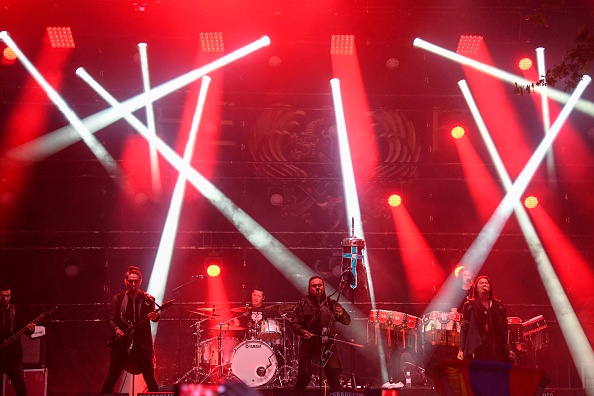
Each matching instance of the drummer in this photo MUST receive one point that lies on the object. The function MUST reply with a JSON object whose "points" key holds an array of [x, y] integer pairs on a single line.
{"points": [[251, 316]]}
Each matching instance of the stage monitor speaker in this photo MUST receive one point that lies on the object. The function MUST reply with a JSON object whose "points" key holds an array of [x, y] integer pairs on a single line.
{"points": [[33, 352]]}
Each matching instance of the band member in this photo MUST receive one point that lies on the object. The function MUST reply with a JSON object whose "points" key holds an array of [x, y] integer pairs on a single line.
{"points": [[465, 279], [11, 354], [133, 349], [253, 314], [483, 333], [311, 321]]}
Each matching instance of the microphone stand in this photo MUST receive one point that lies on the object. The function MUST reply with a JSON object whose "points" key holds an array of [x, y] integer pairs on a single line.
{"points": [[320, 342]]}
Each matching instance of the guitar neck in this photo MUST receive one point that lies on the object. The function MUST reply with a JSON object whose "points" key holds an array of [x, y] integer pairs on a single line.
{"points": [[22, 331]]}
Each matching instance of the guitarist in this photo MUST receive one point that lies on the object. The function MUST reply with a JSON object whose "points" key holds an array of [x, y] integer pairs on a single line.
{"points": [[11, 357], [133, 349], [311, 316]]}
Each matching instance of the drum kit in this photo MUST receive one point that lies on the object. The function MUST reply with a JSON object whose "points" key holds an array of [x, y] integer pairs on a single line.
{"points": [[263, 356]]}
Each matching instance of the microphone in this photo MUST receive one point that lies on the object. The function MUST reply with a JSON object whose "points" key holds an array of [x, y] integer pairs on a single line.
{"points": [[198, 276]]}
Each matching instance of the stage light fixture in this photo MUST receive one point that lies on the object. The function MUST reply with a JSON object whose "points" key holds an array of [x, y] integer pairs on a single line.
{"points": [[7, 198], [213, 270], [72, 264], [274, 61], [276, 199], [458, 269], [469, 44], [213, 264], [394, 200], [9, 54], [212, 42], [457, 132], [342, 44], [392, 64], [525, 64], [531, 202], [60, 37]]}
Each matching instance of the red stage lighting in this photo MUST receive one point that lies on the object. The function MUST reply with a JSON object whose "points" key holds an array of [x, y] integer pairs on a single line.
{"points": [[213, 265], [458, 269], [525, 64], [457, 132], [342, 44], [60, 37], [9, 54], [394, 200], [469, 44], [531, 202], [213, 270], [212, 42]]}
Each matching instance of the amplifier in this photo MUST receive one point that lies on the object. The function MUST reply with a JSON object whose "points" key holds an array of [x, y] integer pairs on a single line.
{"points": [[35, 379]]}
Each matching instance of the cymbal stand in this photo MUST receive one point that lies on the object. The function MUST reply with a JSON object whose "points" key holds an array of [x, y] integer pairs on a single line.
{"points": [[196, 371], [220, 347], [287, 372]]}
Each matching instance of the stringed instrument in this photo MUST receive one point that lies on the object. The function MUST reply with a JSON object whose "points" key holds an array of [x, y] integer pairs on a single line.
{"points": [[16, 335], [126, 340]]}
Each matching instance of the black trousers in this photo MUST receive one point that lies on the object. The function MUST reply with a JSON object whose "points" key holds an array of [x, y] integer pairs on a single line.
{"points": [[118, 362], [13, 368], [305, 370]]}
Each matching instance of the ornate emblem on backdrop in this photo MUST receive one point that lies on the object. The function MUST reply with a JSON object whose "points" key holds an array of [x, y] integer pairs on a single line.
{"points": [[299, 150]]}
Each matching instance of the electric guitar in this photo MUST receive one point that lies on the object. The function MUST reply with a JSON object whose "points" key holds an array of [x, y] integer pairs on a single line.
{"points": [[126, 339], [16, 335]]}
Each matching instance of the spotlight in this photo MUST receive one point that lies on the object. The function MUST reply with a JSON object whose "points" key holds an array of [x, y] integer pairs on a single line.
{"points": [[342, 44], [394, 200], [60, 37], [213, 263], [212, 42], [531, 202], [213, 270], [9, 54], [457, 132], [72, 265], [469, 44], [392, 64], [525, 64], [274, 61], [7, 198], [458, 269]]}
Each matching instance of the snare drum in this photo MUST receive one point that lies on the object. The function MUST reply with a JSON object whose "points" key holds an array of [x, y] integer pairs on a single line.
{"points": [[254, 363], [441, 328], [209, 350], [270, 330]]}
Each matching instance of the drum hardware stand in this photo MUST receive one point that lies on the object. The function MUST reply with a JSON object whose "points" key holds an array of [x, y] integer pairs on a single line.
{"points": [[220, 351], [196, 369], [283, 376]]}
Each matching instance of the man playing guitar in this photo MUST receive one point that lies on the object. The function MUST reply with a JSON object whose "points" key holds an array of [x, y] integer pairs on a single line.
{"points": [[11, 353], [132, 343]]}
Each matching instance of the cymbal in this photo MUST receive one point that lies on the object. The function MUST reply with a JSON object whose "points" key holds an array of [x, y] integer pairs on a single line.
{"points": [[227, 327], [240, 309], [212, 309], [203, 314], [280, 307]]}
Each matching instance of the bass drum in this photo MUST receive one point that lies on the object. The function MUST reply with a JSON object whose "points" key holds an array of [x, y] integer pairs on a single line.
{"points": [[254, 363]]}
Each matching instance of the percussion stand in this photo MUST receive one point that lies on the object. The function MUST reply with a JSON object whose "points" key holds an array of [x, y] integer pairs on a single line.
{"points": [[195, 370], [284, 377], [220, 346]]}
